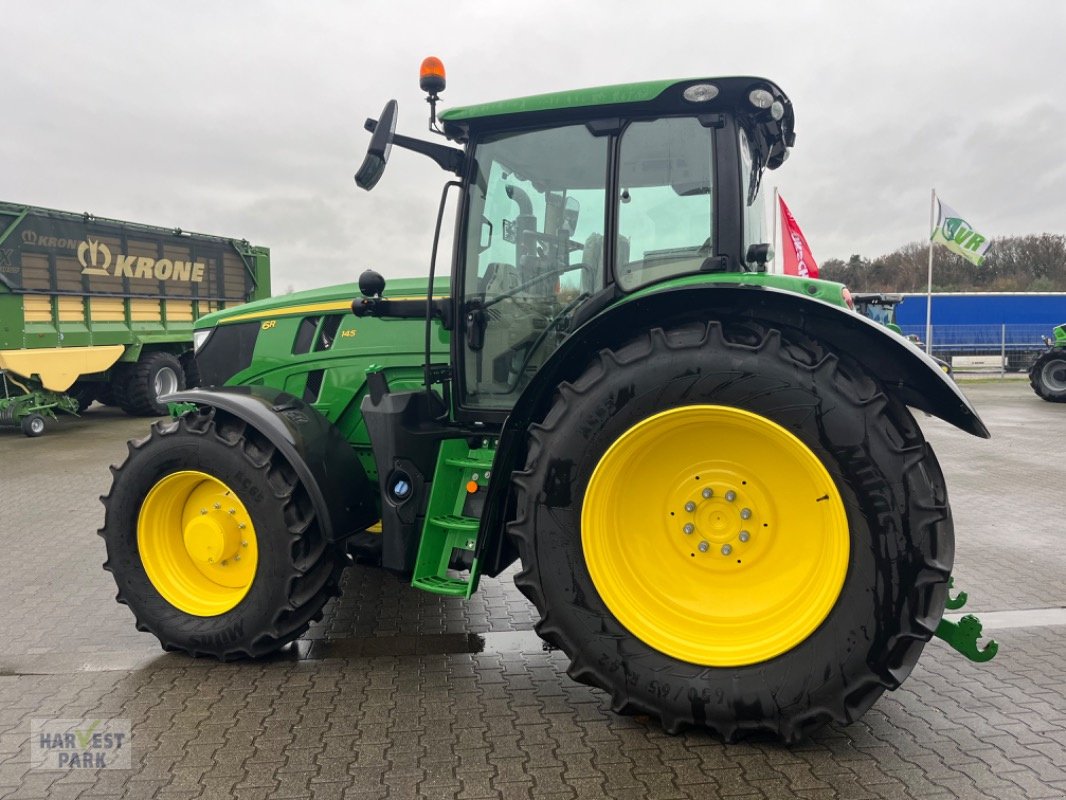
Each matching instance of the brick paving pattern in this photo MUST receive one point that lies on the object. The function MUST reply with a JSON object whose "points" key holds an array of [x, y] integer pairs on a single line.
{"points": [[392, 703]]}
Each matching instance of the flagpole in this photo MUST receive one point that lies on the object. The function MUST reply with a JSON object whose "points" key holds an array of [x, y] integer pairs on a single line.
{"points": [[929, 288], [773, 241]]}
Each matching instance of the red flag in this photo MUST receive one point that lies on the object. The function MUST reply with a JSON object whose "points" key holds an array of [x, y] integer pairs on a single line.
{"points": [[798, 258]]}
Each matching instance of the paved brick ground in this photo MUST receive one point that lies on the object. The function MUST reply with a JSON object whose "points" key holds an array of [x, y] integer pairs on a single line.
{"points": [[394, 704]]}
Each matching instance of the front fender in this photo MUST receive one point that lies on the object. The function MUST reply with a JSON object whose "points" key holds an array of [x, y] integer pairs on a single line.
{"points": [[904, 371], [342, 495]]}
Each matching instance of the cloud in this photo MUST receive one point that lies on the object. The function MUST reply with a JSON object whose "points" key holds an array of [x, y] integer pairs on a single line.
{"points": [[245, 118]]}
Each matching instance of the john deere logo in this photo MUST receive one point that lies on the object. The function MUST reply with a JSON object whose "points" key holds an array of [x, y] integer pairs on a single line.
{"points": [[95, 259], [958, 231], [91, 254]]}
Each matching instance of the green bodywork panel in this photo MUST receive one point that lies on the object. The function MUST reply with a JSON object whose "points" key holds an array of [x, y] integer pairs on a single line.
{"points": [[827, 291], [395, 347], [1060, 336], [577, 98]]}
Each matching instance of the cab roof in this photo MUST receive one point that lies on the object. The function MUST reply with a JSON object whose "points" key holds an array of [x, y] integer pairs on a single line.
{"points": [[649, 98]]}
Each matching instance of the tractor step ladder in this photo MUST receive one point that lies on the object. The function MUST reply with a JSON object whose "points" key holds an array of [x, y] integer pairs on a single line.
{"points": [[461, 474]]}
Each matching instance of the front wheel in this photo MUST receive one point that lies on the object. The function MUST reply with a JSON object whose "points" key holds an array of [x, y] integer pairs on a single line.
{"points": [[213, 540], [1048, 376], [725, 526], [33, 425]]}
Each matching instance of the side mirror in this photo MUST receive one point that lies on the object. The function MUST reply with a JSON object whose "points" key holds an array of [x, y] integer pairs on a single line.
{"points": [[377, 154], [759, 254]]}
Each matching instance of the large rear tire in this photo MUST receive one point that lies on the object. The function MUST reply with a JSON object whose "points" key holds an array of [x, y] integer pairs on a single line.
{"points": [[142, 384], [724, 526], [213, 541], [1048, 376]]}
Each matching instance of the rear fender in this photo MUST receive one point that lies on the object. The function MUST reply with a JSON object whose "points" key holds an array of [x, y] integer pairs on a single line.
{"points": [[344, 499], [904, 371]]}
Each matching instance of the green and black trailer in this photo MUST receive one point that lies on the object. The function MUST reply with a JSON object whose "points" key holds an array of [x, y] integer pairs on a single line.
{"points": [[724, 510], [101, 309]]}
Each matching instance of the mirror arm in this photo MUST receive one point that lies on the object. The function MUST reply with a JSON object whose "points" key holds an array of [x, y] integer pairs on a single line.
{"points": [[403, 309], [447, 158]]}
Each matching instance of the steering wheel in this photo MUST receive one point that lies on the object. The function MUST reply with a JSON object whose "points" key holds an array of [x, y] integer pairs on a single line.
{"points": [[552, 273]]}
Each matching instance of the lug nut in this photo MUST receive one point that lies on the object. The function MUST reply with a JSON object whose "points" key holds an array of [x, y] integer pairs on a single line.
{"points": [[240, 525], [745, 513], [690, 506], [233, 511], [726, 549], [237, 558], [744, 536], [218, 505], [244, 544], [708, 493], [689, 528], [730, 495], [704, 547], [203, 510]]}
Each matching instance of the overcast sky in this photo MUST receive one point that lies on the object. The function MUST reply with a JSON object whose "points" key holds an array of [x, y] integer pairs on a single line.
{"points": [[244, 119]]}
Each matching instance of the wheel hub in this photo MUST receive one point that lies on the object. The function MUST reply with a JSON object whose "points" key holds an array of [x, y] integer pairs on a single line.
{"points": [[1054, 374], [210, 539], [713, 526], [197, 543]]}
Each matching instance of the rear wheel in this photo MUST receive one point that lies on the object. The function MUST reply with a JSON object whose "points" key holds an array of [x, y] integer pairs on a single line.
{"points": [[1048, 376], [213, 540], [141, 385], [727, 527]]}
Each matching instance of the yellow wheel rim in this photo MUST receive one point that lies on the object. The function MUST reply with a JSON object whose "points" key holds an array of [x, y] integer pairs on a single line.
{"points": [[197, 543], [714, 535]]}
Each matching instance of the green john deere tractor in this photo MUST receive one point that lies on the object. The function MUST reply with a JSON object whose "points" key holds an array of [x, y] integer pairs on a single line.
{"points": [[723, 509], [1047, 376]]}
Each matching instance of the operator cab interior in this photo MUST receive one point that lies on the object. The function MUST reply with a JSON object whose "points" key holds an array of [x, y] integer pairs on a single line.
{"points": [[537, 231]]}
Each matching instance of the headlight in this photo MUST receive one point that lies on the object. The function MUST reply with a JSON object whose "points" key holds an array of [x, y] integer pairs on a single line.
{"points": [[760, 98], [700, 93], [199, 338]]}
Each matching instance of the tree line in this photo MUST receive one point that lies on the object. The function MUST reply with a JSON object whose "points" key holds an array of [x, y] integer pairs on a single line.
{"points": [[1034, 263]]}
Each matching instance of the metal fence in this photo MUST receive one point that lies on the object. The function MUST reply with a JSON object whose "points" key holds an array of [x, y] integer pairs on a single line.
{"points": [[985, 348]]}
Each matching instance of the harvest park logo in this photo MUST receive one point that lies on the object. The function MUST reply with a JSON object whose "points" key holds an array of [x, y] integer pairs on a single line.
{"points": [[95, 259], [70, 744]]}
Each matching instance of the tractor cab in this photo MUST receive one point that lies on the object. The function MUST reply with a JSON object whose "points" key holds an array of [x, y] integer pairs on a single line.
{"points": [[572, 201]]}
